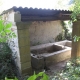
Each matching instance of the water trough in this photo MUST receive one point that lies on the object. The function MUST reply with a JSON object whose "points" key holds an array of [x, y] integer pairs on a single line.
{"points": [[47, 54]]}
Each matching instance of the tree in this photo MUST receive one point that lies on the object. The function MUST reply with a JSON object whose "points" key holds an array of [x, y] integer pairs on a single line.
{"points": [[76, 10], [75, 14], [61, 4]]}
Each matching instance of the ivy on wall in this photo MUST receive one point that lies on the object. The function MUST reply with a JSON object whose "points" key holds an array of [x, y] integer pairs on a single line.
{"points": [[66, 31]]}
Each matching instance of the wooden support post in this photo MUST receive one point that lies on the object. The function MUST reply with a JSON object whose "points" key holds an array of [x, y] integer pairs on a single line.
{"points": [[75, 45]]}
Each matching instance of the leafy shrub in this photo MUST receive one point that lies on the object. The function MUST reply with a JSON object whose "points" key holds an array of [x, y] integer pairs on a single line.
{"points": [[5, 31], [71, 71], [11, 79], [39, 76], [66, 31], [6, 68], [60, 37]]}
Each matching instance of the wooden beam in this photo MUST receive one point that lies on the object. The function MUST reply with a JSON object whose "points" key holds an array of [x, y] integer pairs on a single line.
{"points": [[44, 18], [75, 45]]}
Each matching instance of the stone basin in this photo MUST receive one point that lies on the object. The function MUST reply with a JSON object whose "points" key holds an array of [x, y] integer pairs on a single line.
{"points": [[47, 54], [64, 43]]}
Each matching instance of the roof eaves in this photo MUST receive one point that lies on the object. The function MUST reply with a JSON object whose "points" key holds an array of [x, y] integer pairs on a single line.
{"points": [[26, 8], [39, 8]]}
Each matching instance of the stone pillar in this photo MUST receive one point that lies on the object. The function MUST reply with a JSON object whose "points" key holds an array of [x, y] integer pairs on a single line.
{"points": [[24, 46], [75, 45], [21, 44]]}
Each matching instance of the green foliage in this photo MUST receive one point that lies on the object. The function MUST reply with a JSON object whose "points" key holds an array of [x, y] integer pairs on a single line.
{"points": [[10, 79], [71, 71], [6, 67], [76, 15], [60, 37], [76, 38], [66, 32], [5, 31], [40, 76], [76, 10]]}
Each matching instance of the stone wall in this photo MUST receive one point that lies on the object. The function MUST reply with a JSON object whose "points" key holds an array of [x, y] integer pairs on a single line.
{"points": [[44, 32], [21, 44], [13, 43]]}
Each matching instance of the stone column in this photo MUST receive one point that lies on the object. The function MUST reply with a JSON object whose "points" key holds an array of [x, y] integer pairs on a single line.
{"points": [[75, 45], [21, 44], [24, 46]]}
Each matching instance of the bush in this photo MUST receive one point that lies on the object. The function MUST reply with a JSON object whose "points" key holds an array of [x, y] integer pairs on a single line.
{"points": [[5, 31], [6, 68], [71, 71], [39, 76], [6, 65]]}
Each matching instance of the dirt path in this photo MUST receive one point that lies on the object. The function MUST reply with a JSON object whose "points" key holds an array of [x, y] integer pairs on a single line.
{"points": [[55, 68]]}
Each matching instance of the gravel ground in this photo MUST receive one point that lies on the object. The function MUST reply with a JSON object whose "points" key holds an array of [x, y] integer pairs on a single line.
{"points": [[54, 68]]}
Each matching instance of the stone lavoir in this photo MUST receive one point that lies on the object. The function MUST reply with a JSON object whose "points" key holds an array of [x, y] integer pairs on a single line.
{"points": [[21, 19], [47, 54]]}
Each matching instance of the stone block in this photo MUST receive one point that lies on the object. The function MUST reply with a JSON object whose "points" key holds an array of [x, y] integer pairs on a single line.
{"points": [[37, 63], [17, 17], [25, 65], [23, 33], [25, 58], [23, 41], [27, 71], [59, 56], [23, 25], [24, 50]]}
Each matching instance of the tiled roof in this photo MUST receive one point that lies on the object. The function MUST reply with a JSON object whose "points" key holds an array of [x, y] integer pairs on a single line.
{"points": [[26, 8], [41, 8], [41, 14]]}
